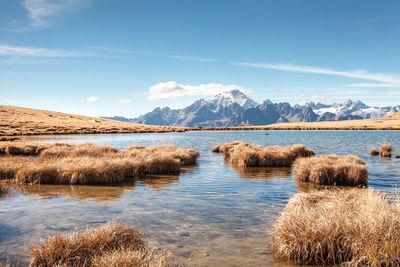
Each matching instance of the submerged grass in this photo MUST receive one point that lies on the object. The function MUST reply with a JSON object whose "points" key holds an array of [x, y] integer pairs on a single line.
{"points": [[374, 152], [5, 189], [331, 170], [360, 227], [245, 155], [113, 244], [386, 150], [90, 164]]}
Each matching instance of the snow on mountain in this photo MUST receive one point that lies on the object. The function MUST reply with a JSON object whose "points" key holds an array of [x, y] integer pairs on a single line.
{"points": [[354, 108], [234, 96], [235, 108]]}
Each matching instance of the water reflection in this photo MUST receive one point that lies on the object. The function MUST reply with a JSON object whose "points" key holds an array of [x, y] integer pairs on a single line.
{"points": [[263, 174], [80, 192], [210, 215]]}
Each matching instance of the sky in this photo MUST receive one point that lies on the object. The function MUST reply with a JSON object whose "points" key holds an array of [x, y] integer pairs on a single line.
{"points": [[127, 57]]}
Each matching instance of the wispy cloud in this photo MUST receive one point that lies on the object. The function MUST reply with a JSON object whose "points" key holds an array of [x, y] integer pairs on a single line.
{"points": [[317, 97], [358, 74], [201, 59], [125, 101], [122, 51], [373, 85], [92, 99], [168, 90], [7, 50], [42, 12]]}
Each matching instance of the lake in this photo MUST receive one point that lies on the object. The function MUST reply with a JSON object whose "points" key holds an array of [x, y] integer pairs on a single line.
{"points": [[210, 215]]}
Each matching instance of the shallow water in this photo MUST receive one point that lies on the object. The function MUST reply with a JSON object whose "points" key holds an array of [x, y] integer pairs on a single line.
{"points": [[210, 215]]}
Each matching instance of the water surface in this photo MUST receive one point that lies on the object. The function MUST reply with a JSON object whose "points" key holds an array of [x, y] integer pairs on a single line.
{"points": [[210, 215]]}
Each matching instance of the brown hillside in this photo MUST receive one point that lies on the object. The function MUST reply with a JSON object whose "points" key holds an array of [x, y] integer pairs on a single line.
{"points": [[26, 121], [395, 116]]}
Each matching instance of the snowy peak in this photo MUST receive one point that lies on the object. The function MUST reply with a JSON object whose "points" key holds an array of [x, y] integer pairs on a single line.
{"points": [[235, 96]]}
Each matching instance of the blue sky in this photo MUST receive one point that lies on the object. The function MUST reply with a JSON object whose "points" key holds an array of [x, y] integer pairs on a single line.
{"points": [[114, 57]]}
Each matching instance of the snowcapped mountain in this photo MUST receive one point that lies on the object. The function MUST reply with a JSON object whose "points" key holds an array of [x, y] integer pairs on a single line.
{"points": [[234, 96], [235, 108], [353, 108]]}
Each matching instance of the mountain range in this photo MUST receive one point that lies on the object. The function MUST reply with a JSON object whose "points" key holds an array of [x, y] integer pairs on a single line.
{"points": [[234, 108]]}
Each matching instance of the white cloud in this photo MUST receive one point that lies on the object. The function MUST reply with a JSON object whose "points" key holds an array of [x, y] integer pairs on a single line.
{"points": [[42, 12], [316, 97], [359, 74], [91, 99], [125, 101], [7, 50], [201, 59], [167, 90]]}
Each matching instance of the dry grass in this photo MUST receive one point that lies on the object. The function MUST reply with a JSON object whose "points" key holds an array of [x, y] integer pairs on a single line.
{"points": [[331, 170], [356, 226], [113, 244], [8, 138], [62, 150], [186, 157], [386, 150], [374, 152], [127, 258], [90, 164], [244, 155], [5, 189], [20, 148], [26, 121]]}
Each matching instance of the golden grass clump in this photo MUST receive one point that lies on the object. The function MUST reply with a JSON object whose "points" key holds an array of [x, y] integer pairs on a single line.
{"points": [[113, 244], [374, 152], [360, 227], [331, 170], [386, 150], [19, 148], [90, 164], [245, 155], [185, 156], [88, 149]]}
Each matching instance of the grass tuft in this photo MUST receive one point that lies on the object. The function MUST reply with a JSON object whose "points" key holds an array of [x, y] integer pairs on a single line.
{"points": [[360, 227], [91, 164], [331, 170], [374, 152], [113, 244], [386, 150], [244, 155]]}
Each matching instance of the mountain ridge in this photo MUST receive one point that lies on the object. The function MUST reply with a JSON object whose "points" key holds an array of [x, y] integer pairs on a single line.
{"points": [[234, 108]]}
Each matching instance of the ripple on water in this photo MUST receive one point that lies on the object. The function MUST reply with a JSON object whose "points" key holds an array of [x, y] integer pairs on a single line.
{"points": [[213, 213]]}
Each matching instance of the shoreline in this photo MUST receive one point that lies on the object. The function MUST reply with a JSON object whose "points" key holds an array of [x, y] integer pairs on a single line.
{"points": [[19, 121]]}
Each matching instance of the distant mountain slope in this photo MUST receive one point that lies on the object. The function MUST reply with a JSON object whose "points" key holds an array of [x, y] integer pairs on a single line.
{"points": [[234, 108], [27, 121]]}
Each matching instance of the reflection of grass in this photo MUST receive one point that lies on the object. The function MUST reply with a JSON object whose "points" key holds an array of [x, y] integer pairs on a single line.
{"points": [[81, 192], [113, 244], [359, 226], [90, 164], [331, 170], [374, 152], [244, 155], [5, 189], [263, 173]]}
